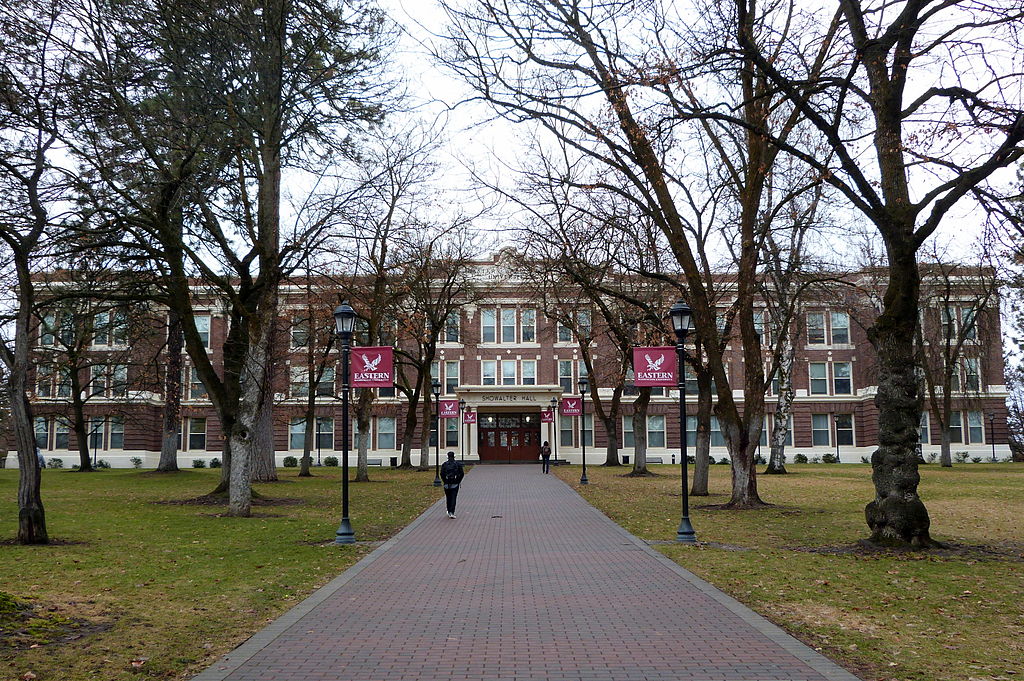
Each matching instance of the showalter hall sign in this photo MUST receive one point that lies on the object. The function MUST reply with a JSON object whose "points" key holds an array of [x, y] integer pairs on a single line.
{"points": [[654, 367]]}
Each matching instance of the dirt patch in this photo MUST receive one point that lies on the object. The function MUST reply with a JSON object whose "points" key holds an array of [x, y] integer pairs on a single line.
{"points": [[1004, 551], [25, 624], [218, 500], [52, 542]]}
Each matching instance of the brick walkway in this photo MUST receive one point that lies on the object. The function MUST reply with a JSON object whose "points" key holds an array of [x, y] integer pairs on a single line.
{"points": [[529, 583]]}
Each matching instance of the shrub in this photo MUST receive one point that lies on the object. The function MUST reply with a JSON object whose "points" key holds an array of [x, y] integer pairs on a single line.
{"points": [[290, 462], [960, 457], [816, 459], [976, 459], [800, 458], [691, 459], [214, 462], [829, 458], [330, 461], [101, 464], [136, 462], [932, 456], [865, 459], [198, 463], [724, 461], [55, 463], [760, 460]]}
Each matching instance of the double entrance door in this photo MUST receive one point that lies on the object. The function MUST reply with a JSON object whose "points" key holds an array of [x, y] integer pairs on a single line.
{"points": [[509, 437]]}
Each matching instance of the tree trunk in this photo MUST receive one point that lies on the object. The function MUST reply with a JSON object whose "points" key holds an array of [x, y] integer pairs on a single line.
{"points": [[78, 421], [783, 408], [264, 463], [363, 407], [307, 440], [409, 431], [425, 437], [640, 432], [702, 444], [897, 516], [172, 396], [946, 454], [611, 427]]}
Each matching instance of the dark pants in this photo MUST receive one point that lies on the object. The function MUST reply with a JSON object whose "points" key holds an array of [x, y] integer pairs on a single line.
{"points": [[450, 493], [547, 463]]}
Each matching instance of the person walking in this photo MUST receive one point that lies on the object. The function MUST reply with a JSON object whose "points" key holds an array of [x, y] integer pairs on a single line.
{"points": [[451, 477], [545, 456]]}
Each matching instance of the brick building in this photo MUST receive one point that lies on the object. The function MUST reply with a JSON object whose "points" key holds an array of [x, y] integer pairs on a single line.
{"points": [[508, 361]]}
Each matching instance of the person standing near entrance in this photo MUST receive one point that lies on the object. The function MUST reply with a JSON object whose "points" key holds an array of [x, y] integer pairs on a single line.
{"points": [[545, 455], [451, 476]]}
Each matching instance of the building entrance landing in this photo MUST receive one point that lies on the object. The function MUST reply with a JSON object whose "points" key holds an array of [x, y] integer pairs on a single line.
{"points": [[508, 438]]}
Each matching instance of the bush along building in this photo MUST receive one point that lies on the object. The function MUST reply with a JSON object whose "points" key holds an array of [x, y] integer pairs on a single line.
{"points": [[508, 356]]}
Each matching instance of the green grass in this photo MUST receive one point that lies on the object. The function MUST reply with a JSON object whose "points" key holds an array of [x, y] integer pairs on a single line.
{"points": [[173, 586], [953, 615]]}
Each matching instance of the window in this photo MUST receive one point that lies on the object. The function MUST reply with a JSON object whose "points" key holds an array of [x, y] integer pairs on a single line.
{"points": [[324, 432], [299, 384], [196, 389], [972, 375], [975, 428], [101, 328], [97, 380], [110, 328], [759, 318], [41, 425], [508, 325], [842, 378], [119, 380], [528, 326], [691, 431], [116, 432], [451, 377], [588, 429], [61, 434], [508, 372], [627, 432], [816, 328], [489, 322], [565, 375], [819, 378], [690, 379], [386, 432], [840, 328], [297, 433], [717, 439], [452, 325], [433, 433], [924, 430], [325, 386], [529, 372], [63, 382], [489, 372], [820, 430], [844, 429], [44, 380], [95, 432], [203, 327], [583, 323], [564, 333], [954, 378], [48, 329], [388, 391], [655, 430], [969, 319], [451, 432], [197, 434], [956, 428], [565, 431], [300, 332]]}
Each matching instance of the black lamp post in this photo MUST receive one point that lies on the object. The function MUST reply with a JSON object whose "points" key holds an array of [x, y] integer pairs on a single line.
{"points": [[344, 324], [435, 387], [584, 383], [465, 441], [554, 428], [682, 318], [992, 433]]}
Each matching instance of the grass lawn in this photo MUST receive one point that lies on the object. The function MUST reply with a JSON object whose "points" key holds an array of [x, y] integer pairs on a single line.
{"points": [[133, 588], [956, 615]]}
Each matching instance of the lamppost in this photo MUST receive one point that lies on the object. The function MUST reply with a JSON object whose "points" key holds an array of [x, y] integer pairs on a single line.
{"points": [[344, 324], [992, 433], [465, 442], [682, 317], [554, 429], [435, 387], [584, 383]]}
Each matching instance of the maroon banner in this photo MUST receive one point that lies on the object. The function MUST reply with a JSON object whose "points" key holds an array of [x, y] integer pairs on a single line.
{"points": [[572, 406], [469, 417], [373, 367], [448, 409], [547, 416], [654, 367]]}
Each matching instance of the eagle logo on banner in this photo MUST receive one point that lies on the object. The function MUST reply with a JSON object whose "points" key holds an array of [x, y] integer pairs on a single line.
{"points": [[370, 364], [654, 365]]}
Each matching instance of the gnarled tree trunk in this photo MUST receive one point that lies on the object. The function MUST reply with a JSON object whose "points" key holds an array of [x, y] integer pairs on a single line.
{"points": [[172, 396]]}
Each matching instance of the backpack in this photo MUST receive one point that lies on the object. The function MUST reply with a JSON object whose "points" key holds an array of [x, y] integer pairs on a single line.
{"points": [[450, 474]]}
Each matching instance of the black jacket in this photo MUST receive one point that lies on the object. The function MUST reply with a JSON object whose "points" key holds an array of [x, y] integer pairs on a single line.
{"points": [[452, 473]]}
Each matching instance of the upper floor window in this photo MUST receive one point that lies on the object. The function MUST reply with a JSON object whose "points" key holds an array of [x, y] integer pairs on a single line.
{"points": [[508, 372], [110, 328], [325, 386], [299, 382], [196, 387], [44, 380], [489, 325], [583, 327], [203, 327], [452, 325], [508, 325], [565, 378], [840, 328], [819, 378], [816, 328], [451, 377], [57, 327], [842, 377], [489, 372], [528, 326], [972, 374], [529, 372], [300, 332]]}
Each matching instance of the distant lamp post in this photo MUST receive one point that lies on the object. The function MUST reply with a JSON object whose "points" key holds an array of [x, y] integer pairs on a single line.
{"points": [[435, 388], [682, 324], [465, 442], [554, 429], [992, 433], [344, 324], [584, 383]]}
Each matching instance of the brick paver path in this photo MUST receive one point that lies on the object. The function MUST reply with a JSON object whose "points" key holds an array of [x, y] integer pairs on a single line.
{"points": [[529, 583]]}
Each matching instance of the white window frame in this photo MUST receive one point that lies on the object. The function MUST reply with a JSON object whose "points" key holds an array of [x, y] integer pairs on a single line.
{"points": [[654, 431], [817, 420], [489, 314], [822, 380], [836, 379], [507, 319], [845, 317], [852, 430], [975, 428], [387, 433], [507, 366], [489, 372], [528, 372], [204, 324], [528, 325], [812, 340]]}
